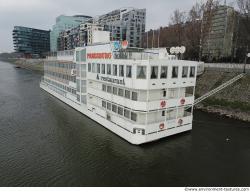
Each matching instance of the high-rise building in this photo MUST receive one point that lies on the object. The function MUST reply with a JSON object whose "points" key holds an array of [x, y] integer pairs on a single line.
{"points": [[223, 34], [125, 24], [79, 36], [31, 41], [64, 23]]}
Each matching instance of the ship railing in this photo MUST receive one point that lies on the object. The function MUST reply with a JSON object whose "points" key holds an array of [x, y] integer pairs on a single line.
{"points": [[135, 55], [55, 55]]}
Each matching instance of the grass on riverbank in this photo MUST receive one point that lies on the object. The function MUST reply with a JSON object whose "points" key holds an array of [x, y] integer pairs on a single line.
{"points": [[243, 106]]}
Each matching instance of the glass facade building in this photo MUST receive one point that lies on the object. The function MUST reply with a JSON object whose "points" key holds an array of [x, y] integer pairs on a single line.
{"points": [[64, 23], [30, 41]]}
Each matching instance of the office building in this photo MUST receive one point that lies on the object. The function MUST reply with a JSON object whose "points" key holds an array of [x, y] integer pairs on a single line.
{"points": [[30, 41], [64, 23], [125, 24]]}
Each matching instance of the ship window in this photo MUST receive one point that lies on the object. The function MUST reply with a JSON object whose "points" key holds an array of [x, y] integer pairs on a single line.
{"points": [[104, 104], [154, 72], [115, 70], [172, 93], [133, 116], [129, 71], [109, 89], [121, 70], [103, 68], [174, 72], [171, 114], [163, 113], [84, 99], [114, 108], [89, 67], [184, 72], [164, 72], [127, 94], [127, 113], [120, 110], [109, 69], [109, 106], [164, 93], [115, 90], [192, 72], [94, 68], [121, 92], [77, 56], [83, 55], [98, 68], [141, 72], [134, 96], [104, 88]]}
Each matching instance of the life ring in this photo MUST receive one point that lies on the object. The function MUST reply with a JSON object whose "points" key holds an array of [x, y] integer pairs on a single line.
{"points": [[162, 126], [163, 104], [180, 121], [182, 101]]}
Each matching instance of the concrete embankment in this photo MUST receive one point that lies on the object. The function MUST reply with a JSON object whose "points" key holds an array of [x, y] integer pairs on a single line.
{"points": [[233, 101], [30, 64]]}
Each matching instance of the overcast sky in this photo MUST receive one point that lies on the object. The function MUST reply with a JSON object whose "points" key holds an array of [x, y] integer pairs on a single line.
{"points": [[41, 14]]}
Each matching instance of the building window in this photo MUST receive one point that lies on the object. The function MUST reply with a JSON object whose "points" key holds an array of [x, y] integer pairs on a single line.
{"points": [[104, 88], [174, 72], [134, 96], [141, 72], [109, 69], [127, 113], [104, 104], [98, 68], [89, 67], [164, 72], [121, 92], [109, 89], [133, 116], [154, 72], [127, 94], [103, 68], [129, 71], [115, 70], [192, 72], [120, 111], [109, 106], [184, 72], [121, 70], [115, 90], [114, 108]]}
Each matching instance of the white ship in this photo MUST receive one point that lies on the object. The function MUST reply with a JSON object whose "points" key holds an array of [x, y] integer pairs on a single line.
{"points": [[140, 95]]}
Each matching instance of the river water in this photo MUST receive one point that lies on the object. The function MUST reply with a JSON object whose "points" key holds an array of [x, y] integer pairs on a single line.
{"points": [[44, 142]]}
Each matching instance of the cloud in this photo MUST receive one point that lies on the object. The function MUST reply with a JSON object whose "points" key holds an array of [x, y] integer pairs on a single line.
{"points": [[42, 13]]}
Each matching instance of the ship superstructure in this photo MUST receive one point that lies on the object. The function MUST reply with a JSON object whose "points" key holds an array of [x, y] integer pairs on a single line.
{"points": [[141, 95]]}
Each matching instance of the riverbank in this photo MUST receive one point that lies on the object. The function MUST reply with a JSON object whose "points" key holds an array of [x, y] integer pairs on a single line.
{"points": [[30, 64], [232, 102]]}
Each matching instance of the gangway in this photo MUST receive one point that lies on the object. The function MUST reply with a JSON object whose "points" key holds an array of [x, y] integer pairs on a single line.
{"points": [[214, 91]]}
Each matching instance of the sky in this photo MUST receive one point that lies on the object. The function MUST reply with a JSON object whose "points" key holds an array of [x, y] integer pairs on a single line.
{"points": [[41, 14]]}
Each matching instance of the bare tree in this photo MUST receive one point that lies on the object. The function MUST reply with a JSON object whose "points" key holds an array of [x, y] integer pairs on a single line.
{"points": [[244, 6], [177, 20]]}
